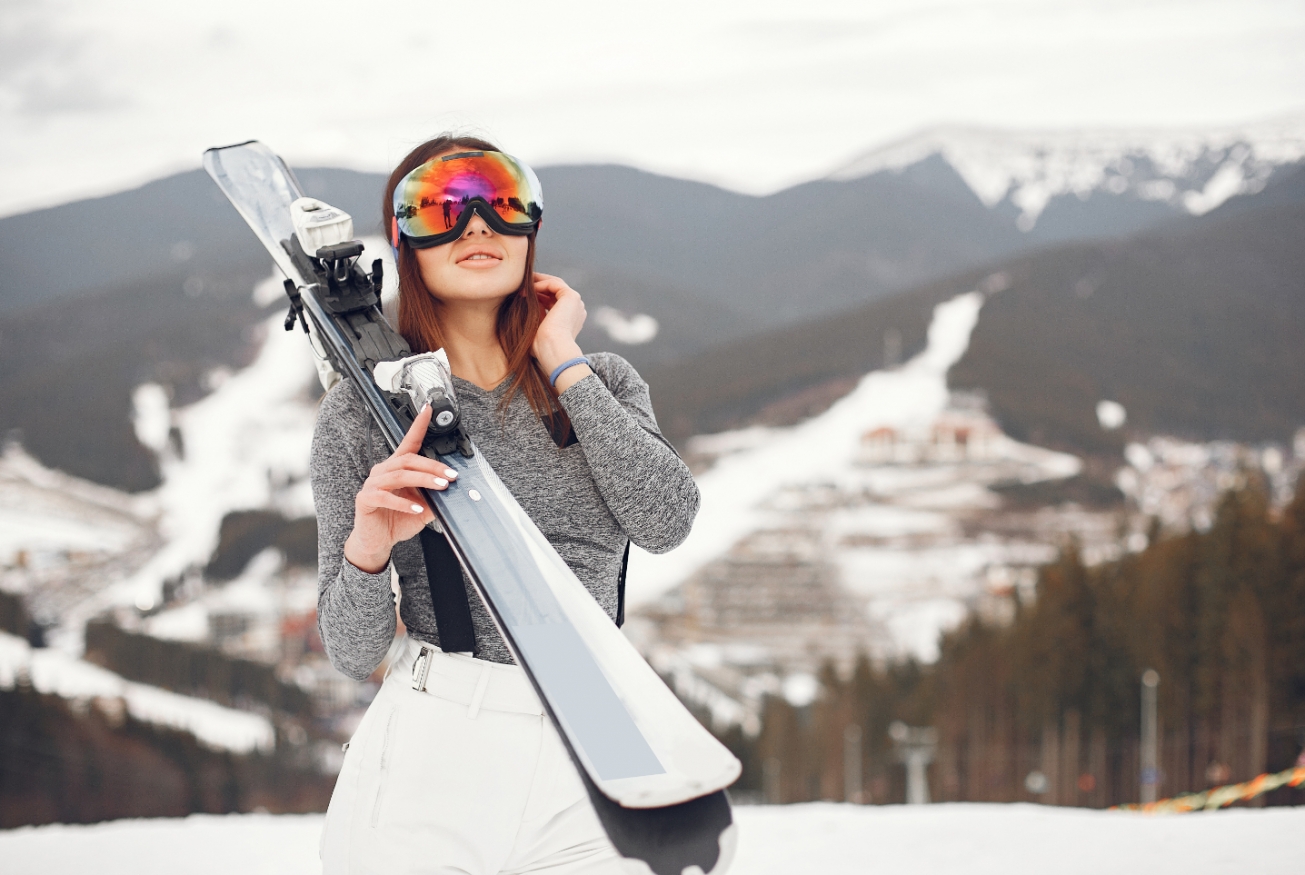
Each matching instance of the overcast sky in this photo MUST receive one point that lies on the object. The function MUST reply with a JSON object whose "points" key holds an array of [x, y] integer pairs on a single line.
{"points": [[97, 96]]}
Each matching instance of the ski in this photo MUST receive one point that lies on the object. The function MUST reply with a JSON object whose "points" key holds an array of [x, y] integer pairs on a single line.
{"points": [[655, 775]]}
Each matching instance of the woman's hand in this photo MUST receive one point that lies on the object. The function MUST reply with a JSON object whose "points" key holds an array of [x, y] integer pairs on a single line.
{"points": [[388, 508], [555, 340]]}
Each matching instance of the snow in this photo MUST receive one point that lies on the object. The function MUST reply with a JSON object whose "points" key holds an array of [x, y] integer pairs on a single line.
{"points": [[734, 490], [1030, 167], [152, 83], [887, 518], [45, 510], [246, 446], [1111, 414], [150, 418], [56, 673], [821, 838], [186, 623], [636, 329]]}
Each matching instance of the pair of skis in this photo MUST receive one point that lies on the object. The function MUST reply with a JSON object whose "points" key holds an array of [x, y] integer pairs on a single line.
{"points": [[655, 776]]}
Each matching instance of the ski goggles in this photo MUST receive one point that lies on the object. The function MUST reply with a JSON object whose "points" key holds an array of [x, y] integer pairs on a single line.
{"points": [[434, 203]]}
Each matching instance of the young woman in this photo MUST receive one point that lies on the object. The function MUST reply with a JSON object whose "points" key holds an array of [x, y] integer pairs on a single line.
{"points": [[467, 775]]}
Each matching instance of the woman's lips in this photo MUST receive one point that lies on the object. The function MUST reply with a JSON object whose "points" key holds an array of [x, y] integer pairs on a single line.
{"points": [[479, 260]]}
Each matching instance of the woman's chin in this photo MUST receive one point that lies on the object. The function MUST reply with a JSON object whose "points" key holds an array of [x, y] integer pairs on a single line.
{"points": [[476, 292]]}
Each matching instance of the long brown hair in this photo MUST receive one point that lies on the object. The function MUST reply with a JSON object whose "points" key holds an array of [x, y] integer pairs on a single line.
{"points": [[518, 317]]}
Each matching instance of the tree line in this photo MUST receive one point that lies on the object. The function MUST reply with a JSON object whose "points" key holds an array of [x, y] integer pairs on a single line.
{"points": [[70, 762], [1219, 614], [193, 669]]}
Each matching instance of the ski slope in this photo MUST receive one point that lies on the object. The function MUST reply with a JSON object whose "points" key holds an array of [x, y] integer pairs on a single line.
{"points": [[808, 839], [892, 530], [734, 490]]}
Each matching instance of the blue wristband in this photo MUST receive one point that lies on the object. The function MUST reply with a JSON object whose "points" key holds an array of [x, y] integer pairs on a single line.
{"points": [[569, 363]]}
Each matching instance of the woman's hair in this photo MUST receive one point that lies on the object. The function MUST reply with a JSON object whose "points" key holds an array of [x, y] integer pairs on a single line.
{"points": [[518, 317]]}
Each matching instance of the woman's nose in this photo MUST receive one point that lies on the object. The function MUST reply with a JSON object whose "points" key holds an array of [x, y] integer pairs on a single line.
{"points": [[477, 227]]}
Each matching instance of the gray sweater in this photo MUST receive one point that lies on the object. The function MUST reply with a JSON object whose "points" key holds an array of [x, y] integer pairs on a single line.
{"points": [[620, 480]]}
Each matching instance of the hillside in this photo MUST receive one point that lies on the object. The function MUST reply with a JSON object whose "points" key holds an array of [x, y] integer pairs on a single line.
{"points": [[151, 284], [1200, 334], [1198, 330], [67, 372]]}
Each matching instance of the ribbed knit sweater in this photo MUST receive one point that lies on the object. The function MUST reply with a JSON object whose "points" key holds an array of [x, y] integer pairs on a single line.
{"points": [[619, 480]]}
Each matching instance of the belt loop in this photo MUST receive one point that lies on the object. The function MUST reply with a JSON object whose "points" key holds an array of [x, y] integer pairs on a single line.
{"points": [[482, 683], [421, 666]]}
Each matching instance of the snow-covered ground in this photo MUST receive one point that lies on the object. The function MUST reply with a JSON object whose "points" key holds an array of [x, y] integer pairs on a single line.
{"points": [[716, 91], [54, 672], [822, 448], [809, 839], [879, 487], [246, 446], [45, 511]]}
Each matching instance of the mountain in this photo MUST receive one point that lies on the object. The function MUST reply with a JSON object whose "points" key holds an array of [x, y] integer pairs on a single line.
{"points": [[1062, 185], [1197, 329], [68, 370], [152, 284]]}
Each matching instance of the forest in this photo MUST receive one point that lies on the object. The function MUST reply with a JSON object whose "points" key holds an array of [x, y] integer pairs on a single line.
{"points": [[1219, 614]]}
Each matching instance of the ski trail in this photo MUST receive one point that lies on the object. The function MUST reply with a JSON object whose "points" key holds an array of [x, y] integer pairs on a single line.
{"points": [[813, 451], [245, 446]]}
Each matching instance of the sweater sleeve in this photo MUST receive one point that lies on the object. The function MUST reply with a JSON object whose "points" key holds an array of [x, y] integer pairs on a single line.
{"points": [[646, 486], [355, 610]]}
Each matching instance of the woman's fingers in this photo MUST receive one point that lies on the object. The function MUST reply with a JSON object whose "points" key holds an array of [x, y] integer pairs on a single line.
{"points": [[413, 462], [379, 499], [411, 479], [546, 281], [411, 442], [551, 290]]}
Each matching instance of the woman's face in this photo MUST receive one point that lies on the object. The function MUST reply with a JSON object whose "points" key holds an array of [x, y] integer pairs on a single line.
{"points": [[480, 266]]}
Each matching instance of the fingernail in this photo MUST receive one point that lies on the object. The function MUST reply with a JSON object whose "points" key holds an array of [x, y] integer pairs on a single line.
{"points": [[425, 407], [441, 482], [417, 508], [450, 473]]}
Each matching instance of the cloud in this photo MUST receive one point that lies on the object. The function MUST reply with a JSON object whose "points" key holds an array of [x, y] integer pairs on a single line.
{"points": [[44, 67]]}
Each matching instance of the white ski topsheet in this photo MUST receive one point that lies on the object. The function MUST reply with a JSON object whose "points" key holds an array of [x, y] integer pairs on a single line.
{"points": [[633, 737], [638, 743], [261, 188]]}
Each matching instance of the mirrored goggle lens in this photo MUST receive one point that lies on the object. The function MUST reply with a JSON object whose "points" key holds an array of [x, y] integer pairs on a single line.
{"points": [[431, 200]]}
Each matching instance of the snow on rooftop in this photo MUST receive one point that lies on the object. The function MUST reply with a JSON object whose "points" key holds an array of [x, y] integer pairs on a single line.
{"points": [[817, 838], [56, 673]]}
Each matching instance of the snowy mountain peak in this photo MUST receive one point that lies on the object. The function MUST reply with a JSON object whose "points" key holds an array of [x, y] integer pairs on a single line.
{"points": [[1194, 170]]}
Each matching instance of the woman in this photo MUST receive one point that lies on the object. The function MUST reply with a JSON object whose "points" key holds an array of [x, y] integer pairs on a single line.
{"points": [[466, 774]]}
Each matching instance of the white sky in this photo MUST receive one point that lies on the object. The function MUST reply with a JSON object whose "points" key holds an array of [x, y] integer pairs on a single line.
{"points": [[96, 96]]}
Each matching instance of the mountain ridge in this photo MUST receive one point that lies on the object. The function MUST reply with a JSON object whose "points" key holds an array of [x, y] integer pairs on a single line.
{"points": [[1196, 327]]}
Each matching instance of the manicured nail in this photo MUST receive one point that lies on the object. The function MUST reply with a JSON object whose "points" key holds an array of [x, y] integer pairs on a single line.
{"points": [[417, 508], [424, 408], [450, 473], [441, 482]]}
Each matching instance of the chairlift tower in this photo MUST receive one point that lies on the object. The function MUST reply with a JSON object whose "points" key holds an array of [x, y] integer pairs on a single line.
{"points": [[915, 747], [1150, 772]]}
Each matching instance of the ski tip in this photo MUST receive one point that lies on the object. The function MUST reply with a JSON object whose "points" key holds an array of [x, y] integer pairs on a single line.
{"points": [[232, 146]]}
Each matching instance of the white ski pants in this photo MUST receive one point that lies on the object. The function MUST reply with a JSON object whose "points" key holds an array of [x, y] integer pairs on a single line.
{"points": [[465, 777]]}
